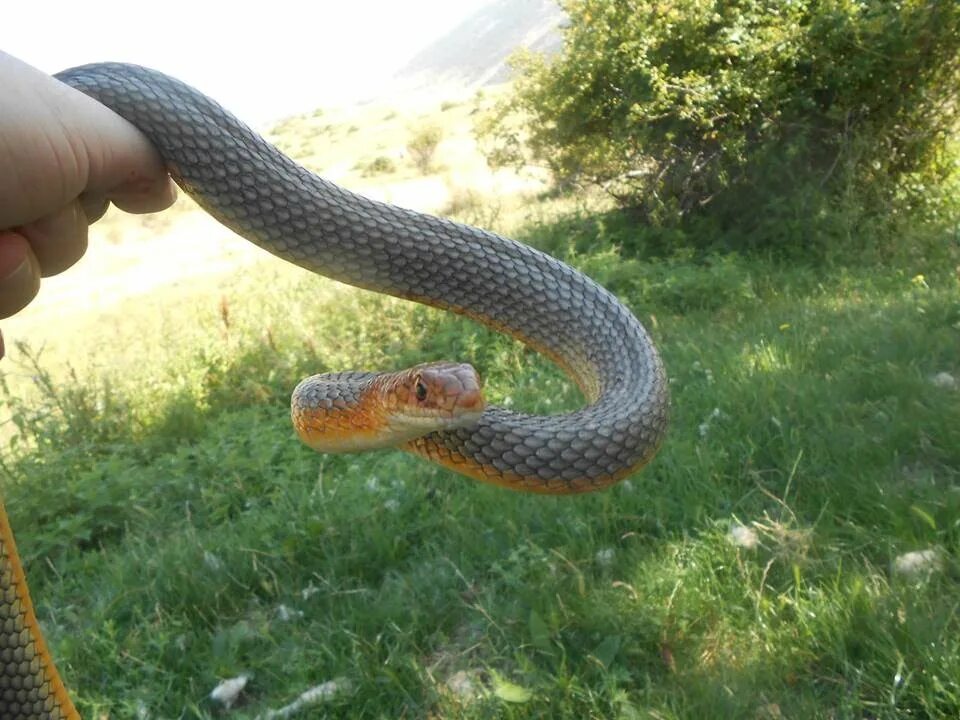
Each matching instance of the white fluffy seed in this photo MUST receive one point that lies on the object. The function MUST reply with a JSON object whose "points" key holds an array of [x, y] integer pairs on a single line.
{"points": [[743, 536]]}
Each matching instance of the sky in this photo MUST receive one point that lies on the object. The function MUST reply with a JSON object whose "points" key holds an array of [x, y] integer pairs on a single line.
{"points": [[262, 61]]}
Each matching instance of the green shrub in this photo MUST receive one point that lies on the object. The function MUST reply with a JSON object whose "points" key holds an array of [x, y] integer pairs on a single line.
{"points": [[755, 112], [423, 145], [472, 207], [380, 165]]}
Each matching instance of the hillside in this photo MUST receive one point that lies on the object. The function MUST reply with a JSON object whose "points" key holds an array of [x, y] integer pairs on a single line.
{"points": [[475, 53]]}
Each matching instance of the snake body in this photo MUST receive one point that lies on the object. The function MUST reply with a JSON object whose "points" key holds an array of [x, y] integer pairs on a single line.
{"points": [[264, 196]]}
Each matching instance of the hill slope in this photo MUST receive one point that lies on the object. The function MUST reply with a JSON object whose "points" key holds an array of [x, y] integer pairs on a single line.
{"points": [[475, 52]]}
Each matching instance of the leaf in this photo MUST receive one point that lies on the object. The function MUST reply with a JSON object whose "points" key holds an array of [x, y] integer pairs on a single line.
{"points": [[607, 650], [510, 692], [924, 515]]}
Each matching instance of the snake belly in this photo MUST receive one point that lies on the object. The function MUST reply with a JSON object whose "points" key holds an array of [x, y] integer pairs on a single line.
{"points": [[261, 194]]}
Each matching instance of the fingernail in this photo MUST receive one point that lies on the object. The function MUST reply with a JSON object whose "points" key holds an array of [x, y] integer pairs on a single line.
{"points": [[19, 273]]}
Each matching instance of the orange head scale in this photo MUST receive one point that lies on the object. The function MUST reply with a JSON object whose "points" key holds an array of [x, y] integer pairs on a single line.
{"points": [[357, 411]]}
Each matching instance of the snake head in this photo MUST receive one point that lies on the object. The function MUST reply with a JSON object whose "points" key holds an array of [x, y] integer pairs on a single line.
{"points": [[431, 397], [358, 411]]}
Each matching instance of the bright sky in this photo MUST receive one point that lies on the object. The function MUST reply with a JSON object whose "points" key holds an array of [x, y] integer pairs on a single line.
{"points": [[262, 61]]}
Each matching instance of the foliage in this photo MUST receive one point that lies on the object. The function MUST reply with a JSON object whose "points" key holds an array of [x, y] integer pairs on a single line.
{"points": [[473, 207], [743, 110], [423, 144], [380, 165]]}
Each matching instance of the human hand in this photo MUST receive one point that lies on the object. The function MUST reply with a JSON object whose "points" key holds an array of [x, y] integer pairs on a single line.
{"points": [[63, 159]]}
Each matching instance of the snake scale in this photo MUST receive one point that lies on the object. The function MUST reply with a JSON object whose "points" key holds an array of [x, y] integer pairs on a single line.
{"points": [[255, 190]]}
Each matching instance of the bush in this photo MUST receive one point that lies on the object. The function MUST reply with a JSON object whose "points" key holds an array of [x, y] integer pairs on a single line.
{"points": [[472, 207], [752, 111], [423, 145], [380, 165]]}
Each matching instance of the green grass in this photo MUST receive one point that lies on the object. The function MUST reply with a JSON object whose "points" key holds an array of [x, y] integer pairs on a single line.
{"points": [[165, 518]]}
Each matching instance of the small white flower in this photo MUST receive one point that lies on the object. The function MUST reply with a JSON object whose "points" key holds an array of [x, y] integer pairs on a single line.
{"points": [[212, 561], [309, 591], [704, 427], [286, 614], [605, 556], [743, 536], [392, 504], [373, 483], [227, 692]]}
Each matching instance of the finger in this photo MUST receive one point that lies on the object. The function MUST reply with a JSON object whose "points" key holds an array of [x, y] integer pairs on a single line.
{"points": [[3, 349], [137, 199], [146, 195], [19, 273], [94, 207], [122, 165], [58, 240]]}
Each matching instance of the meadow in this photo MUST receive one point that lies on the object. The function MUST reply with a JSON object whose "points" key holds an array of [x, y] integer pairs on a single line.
{"points": [[175, 533]]}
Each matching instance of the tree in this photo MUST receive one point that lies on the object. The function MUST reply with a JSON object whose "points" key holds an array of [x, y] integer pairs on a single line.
{"points": [[423, 145], [692, 107]]}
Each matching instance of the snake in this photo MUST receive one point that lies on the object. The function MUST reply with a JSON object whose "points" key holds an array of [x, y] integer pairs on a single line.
{"points": [[436, 410]]}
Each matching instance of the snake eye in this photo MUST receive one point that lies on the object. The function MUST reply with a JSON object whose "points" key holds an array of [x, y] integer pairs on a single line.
{"points": [[421, 390]]}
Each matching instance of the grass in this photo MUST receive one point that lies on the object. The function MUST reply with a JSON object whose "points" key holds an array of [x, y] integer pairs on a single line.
{"points": [[175, 533], [166, 521]]}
